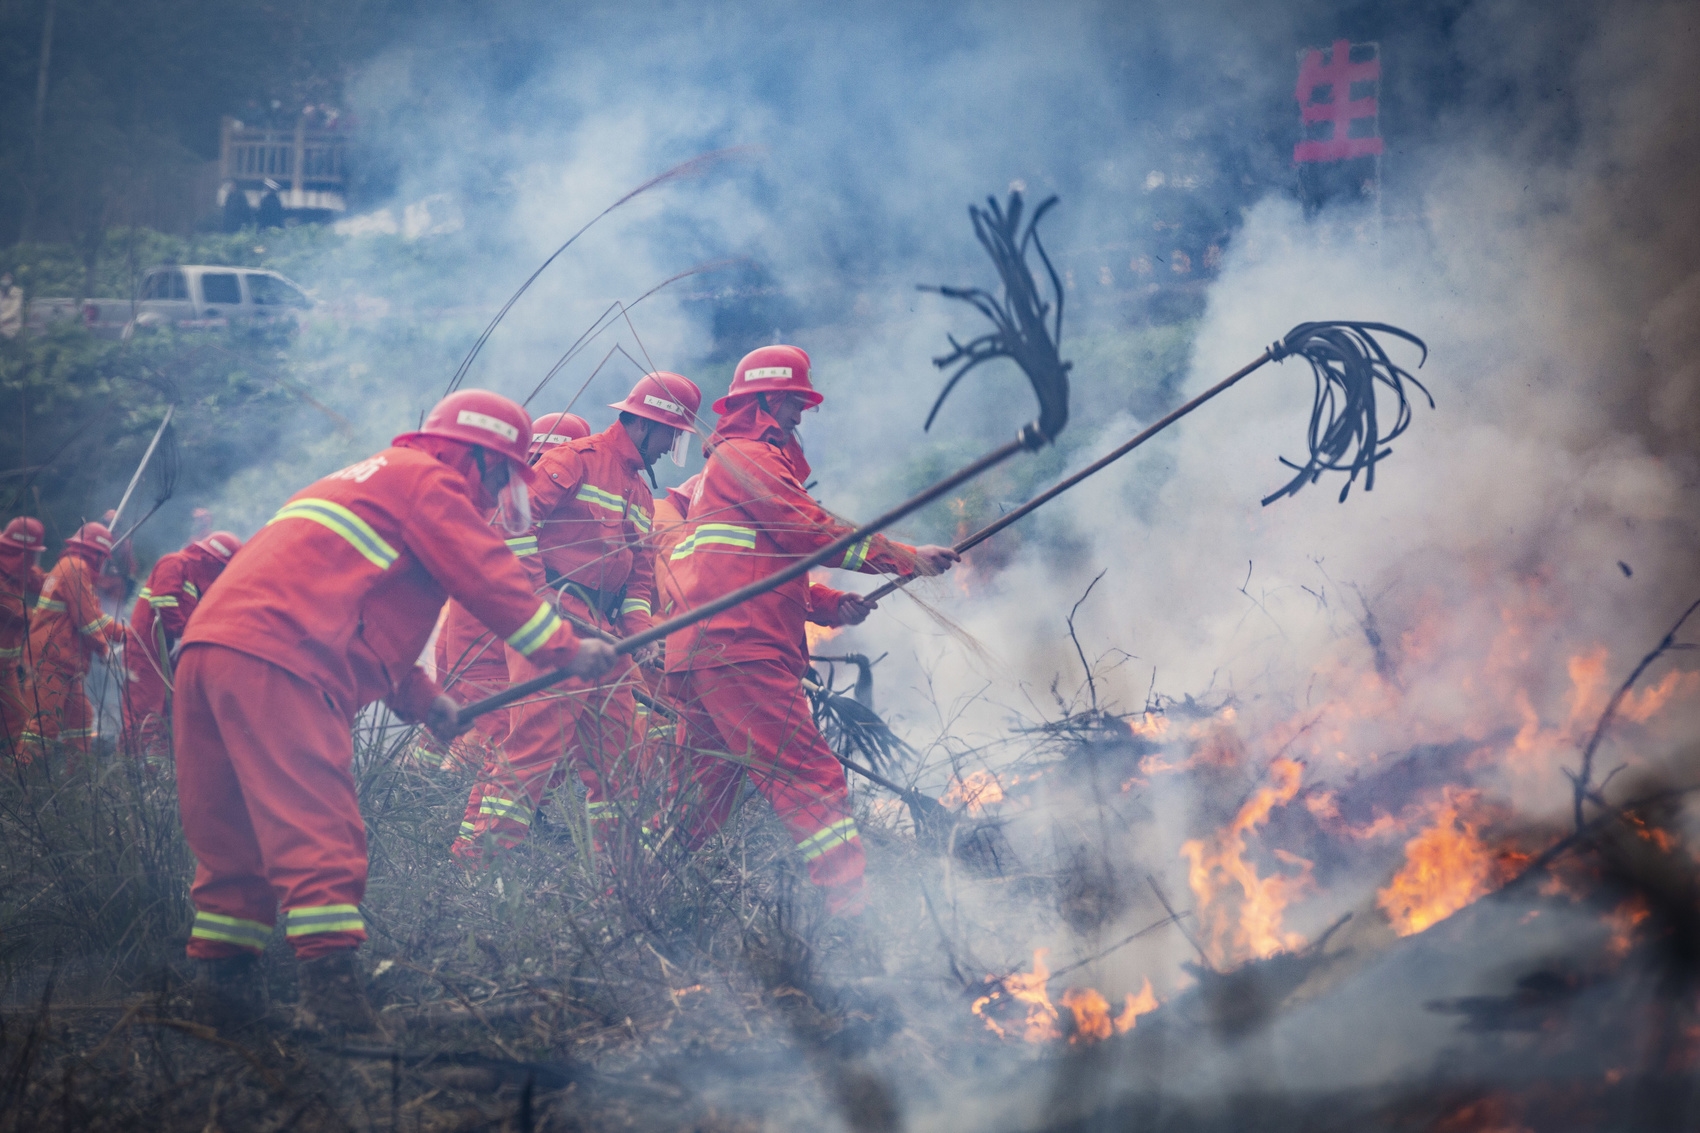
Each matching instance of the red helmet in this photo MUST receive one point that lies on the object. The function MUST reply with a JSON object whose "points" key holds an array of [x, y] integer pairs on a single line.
{"points": [[671, 399], [222, 544], [96, 537], [771, 369], [26, 532], [553, 429], [479, 417]]}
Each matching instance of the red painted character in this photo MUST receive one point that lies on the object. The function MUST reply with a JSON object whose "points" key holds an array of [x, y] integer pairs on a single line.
{"points": [[593, 514], [21, 546], [174, 588], [737, 677], [471, 662], [326, 610], [67, 630]]}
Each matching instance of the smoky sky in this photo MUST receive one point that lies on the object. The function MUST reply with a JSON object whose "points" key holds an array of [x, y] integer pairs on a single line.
{"points": [[1533, 226]]}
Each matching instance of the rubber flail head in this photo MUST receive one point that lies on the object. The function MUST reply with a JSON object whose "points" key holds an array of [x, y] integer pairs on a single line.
{"points": [[1026, 328], [1349, 366]]}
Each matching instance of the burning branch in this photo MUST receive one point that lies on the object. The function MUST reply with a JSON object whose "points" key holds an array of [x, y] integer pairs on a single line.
{"points": [[1583, 779]]}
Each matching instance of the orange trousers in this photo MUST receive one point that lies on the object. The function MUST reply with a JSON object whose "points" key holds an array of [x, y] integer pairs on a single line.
{"points": [[56, 705], [268, 807], [13, 713], [591, 728], [757, 713], [146, 705]]}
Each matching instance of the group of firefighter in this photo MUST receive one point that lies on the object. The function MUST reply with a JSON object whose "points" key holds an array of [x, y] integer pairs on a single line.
{"points": [[525, 547]]}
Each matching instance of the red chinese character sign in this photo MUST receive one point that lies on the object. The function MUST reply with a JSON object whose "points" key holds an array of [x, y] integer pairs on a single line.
{"points": [[1337, 95]]}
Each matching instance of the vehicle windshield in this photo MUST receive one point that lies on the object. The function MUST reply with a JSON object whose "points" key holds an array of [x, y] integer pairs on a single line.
{"points": [[270, 291]]}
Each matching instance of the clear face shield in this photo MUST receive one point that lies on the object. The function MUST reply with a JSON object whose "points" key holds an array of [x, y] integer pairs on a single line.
{"points": [[681, 447], [513, 507]]}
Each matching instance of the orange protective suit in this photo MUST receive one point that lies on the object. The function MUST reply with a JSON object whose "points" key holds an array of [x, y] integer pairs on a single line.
{"points": [[472, 663], [20, 586], [67, 630], [737, 677], [593, 515], [174, 588], [322, 612]]}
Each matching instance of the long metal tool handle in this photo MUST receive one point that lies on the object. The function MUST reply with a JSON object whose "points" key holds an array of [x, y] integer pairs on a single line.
{"points": [[761, 586], [1056, 490], [142, 467]]}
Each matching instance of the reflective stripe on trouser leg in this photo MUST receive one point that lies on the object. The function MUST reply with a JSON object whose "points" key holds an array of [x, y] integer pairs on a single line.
{"points": [[588, 727], [230, 930], [268, 800], [759, 708], [323, 918]]}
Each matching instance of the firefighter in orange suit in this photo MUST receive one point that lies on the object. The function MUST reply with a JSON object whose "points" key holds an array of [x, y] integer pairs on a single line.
{"points": [[326, 610], [21, 546], [67, 630], [593, 515], [174, 588], [471, 662], [737, 677]]}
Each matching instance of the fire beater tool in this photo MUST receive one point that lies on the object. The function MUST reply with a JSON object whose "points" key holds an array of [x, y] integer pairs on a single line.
{"points": [[1348, 365], [1026, 329], [165, 476]]}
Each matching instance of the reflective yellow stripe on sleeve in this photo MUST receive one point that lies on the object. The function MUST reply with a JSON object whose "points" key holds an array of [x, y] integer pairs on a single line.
{"points": [[96, 627], [530, 637], [716, 534], [640, 520], [635, 606], [323, 918], [513, 810], [345, 523], [191, 590], [856, 554], [823, 841], [53, 604], [523, 546], [162, 602]]}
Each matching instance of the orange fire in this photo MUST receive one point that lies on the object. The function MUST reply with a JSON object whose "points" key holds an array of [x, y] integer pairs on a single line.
{"points": [[973, 792], [1090, 1010], [1624, 920], [1247, 925], [1028, 988], [816, 635], [1447, 866]]}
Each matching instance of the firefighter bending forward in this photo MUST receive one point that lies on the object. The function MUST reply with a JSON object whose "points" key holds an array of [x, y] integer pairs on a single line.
{"points": [[593, 514], [174, 588], [471, 663], [326, 610], [737, 677]]}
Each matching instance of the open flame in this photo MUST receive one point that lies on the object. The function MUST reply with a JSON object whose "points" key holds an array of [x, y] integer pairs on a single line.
{"points": [[972, 792], [816, 635], [1247, 924], [1447, 866], [1089, 1010]]}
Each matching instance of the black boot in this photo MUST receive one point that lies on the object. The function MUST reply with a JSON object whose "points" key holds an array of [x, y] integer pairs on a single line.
{"points": [[228, 994], [333, 1003]]}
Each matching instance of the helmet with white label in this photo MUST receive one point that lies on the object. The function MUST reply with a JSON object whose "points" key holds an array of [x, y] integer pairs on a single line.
{"points": [[669, 399], [222, 544], [553, 429], [479, 417], [772, 369]]}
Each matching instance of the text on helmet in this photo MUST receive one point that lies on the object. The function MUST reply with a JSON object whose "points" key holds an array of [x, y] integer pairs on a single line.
{"points": [[663, 404], [763, 372], [484, 421]]}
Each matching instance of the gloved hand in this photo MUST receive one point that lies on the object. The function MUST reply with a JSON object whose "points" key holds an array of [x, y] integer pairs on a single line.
{"points": [[443, 717]]}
